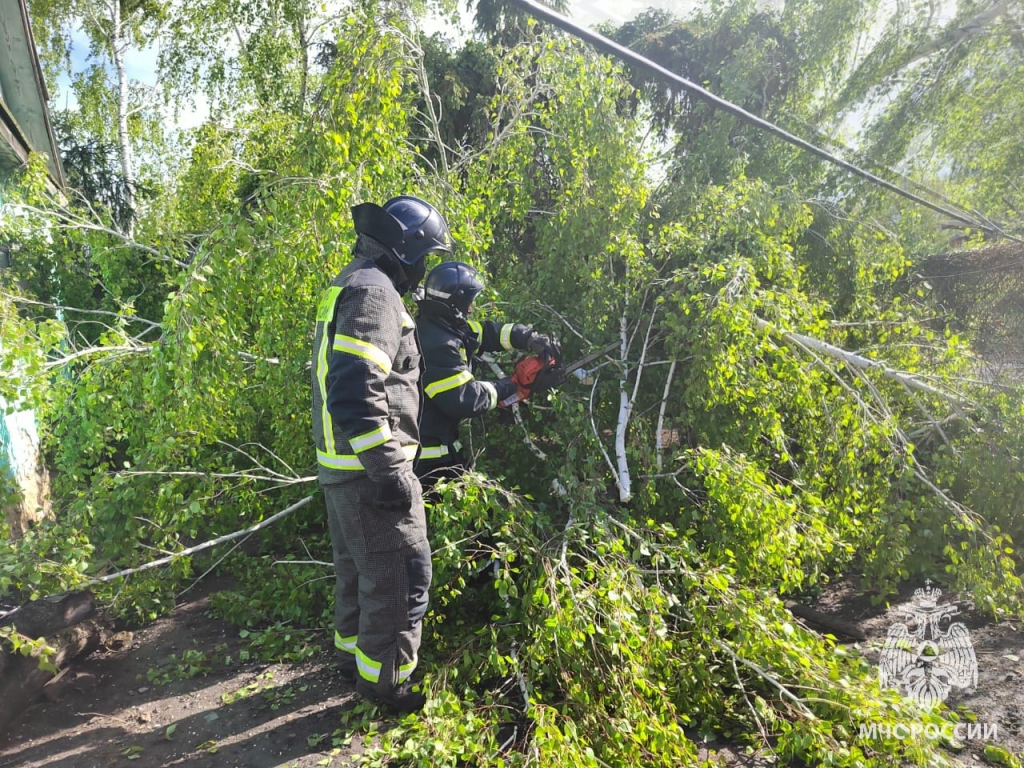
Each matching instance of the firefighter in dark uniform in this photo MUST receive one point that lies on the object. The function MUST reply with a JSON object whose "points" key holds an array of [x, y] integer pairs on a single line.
{"points": [[366, 405], [449, 340]]}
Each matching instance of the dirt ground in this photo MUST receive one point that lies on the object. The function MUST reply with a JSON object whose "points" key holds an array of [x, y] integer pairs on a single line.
{"points": [[104, 712], [997, 702]]}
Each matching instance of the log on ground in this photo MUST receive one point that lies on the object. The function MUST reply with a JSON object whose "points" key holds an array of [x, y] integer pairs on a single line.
{"points": [[60, 621], [831, 623]]}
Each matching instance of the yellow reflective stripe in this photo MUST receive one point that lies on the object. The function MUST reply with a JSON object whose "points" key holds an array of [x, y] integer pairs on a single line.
{"points": [[336, 461], [506, 336], [460, 378], [325, 310], [407, 321], [353, 346], [344, 643], [405, 670], [477, 329], [371, 439], [324, 315], [368, 668], [321, 380], [439, 451], [492, 394], [350, 461]]}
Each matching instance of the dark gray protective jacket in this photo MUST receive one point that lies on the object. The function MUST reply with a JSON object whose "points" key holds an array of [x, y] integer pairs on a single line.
{"points": [[451, 391], [365, 374]]}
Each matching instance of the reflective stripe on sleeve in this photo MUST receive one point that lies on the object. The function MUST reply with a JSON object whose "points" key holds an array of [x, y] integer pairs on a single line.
{"points": [[439, 451], [352, 346], [492, 395], [336, 461], [451, 382], [506, 335], [477, 329], [371, 439], [326, 424], [324, 315], [352, 462]]}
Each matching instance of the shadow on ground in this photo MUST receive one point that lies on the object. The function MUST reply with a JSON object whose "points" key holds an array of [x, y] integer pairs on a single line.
{"points": [[103, 711]]}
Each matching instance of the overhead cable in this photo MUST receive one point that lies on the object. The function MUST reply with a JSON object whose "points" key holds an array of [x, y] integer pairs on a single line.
{"points": [[610, 46]]}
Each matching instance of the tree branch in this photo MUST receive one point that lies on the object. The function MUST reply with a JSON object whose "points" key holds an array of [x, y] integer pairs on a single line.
{"points": [[200, 547], [658, 439], [858, 362]]}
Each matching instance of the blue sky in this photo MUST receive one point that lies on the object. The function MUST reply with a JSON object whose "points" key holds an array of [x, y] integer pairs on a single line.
{"points": [[141, 63], [141, 66]]}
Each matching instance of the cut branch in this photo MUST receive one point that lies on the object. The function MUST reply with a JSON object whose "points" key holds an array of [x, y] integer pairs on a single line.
{"points": [[858, 362], [59, 619], [200, 547]]}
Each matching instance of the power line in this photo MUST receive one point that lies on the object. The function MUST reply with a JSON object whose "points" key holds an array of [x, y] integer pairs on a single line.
{"points": [[834, 143], [610, 46]]}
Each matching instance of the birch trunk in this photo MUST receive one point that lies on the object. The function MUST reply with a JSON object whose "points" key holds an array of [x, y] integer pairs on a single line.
{"points": [[622, 479], [118, 43], [659, 440]]}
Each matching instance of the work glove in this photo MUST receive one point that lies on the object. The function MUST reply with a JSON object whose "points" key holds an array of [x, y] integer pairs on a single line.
{"points": [[544, 348], [505, 387], [396, 494], [550, 377]]}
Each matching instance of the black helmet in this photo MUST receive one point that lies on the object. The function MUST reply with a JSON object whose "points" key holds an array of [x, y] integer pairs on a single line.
{"points": [[454, 284], [411, 227]]}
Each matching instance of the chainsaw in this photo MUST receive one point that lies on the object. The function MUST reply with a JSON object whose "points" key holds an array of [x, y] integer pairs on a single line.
{"points": [[529, 368]]}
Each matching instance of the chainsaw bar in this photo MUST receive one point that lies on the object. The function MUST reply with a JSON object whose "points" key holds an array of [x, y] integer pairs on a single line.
{"points": [[589, 358]]}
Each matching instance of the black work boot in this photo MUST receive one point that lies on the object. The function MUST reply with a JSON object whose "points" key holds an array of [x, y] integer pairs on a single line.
{"points": [[347, 674], [401, 700], [346, 667]]}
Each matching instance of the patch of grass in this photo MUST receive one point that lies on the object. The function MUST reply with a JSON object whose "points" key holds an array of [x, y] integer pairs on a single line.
{"points": [[192, 663]]}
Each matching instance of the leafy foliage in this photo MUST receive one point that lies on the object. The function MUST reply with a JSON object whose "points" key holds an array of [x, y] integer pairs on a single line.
{"points": [[568, 626], [26, 646]]}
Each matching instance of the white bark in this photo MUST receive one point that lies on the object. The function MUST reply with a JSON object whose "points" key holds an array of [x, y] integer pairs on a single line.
{"points": [[858, 362], [659, 442], [622, 479], [204, 545], [118, 44], [951, 38]]}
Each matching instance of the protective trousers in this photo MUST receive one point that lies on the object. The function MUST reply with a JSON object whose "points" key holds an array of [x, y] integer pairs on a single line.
{"points": [[382, 567]]}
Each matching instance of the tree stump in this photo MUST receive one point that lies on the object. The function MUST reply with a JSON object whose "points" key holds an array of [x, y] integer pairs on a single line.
{"points": [[58, 619]]}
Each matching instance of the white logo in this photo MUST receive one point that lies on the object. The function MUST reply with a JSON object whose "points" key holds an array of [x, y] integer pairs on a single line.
{"points": [[922, 659]]}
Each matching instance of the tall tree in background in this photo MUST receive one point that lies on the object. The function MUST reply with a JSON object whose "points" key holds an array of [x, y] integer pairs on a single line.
{"points": [[113, 28]]}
